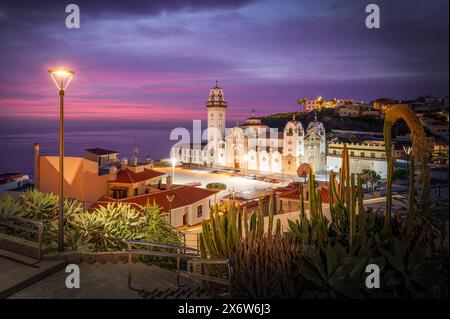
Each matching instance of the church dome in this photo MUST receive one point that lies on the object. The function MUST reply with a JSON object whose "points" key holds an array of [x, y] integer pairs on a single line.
{"points": [[216, 97]]}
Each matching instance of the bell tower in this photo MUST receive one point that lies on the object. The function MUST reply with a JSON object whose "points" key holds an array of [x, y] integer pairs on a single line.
{"points": [[216, 107]]}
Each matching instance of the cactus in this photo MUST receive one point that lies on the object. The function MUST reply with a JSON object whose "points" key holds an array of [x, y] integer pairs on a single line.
{"points": [[221, 235]]}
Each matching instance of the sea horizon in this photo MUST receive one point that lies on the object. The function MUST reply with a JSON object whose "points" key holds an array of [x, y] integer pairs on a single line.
{"points": [[151, 138]]}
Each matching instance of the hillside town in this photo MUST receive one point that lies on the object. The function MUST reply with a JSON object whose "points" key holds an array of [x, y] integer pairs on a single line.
{"points": [[250, 161]]}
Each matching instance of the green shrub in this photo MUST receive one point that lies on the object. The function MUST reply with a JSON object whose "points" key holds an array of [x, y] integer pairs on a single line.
{"points": [[103, 229], [216, 186]]}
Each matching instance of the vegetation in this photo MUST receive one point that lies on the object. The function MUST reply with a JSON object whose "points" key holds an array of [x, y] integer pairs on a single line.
{"points": [[330, 118], [216, 186], [102, 229], [370, 179], [324, 255]]}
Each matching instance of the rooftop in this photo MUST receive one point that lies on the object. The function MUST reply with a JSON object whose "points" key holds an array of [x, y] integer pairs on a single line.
{"points": [[183, 196], [7, 177], [128, 177], [100, 151]]}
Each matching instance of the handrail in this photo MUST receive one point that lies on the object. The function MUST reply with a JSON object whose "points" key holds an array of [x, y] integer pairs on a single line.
{"points": [[228, 262], [155, 244], [177, 255], [7, 220]]}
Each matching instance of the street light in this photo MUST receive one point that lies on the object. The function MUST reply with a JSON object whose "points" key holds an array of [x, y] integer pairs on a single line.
{"points": [[170, 198], [61, 77]]}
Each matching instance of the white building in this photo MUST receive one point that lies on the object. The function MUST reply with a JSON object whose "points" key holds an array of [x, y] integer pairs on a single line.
{"points": [[366, 155], [254, 146]]}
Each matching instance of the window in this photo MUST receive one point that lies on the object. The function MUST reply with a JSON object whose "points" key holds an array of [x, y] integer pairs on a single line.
{"points": [[372, 155], [119, 193], [135, 192], [363, 154], [199, 211], [352, 153]]}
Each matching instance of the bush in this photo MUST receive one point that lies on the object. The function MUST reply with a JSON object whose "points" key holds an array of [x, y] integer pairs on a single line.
{"points": [[216, 186], [103, 229]]}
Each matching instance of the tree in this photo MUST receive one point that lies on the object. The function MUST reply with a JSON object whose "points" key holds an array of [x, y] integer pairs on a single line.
{"points": [[370, 177], [218, 186]]}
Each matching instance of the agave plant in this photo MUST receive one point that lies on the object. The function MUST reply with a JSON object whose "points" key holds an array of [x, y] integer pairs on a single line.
{"points": [[331, 272], [114, 223], [10, 205], [76, 240], [411, 274], [40, 206]]}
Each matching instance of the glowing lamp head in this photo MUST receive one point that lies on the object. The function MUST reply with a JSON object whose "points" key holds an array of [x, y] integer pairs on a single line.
{"points": [[61, 77], [174, 161]]}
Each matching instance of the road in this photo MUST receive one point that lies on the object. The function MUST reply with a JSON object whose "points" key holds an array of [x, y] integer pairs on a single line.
{"points": [[234, 183]]}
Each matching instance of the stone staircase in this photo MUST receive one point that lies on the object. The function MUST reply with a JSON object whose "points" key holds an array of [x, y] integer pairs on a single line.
{"points": [[105, 281], [18, 272]]}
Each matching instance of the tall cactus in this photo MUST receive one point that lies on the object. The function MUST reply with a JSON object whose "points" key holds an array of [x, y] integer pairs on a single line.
{"points": [[221, 234]]}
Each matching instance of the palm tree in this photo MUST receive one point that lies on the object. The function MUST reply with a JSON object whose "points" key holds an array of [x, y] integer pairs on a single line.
{"points": [[302, 101]]}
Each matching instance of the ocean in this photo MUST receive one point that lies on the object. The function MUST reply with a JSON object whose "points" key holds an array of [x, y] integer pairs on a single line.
{"points": [[18, 138]]}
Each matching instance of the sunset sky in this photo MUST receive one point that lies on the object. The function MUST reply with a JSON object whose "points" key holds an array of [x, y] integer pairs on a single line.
{"points": [[156, 60]]}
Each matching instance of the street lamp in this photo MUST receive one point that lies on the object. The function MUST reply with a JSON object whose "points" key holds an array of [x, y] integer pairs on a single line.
{"points": [[62, 78], [170, 198], [174, 163]]}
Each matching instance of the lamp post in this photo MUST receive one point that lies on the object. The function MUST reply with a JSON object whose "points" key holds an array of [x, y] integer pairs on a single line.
{"points": [[61, 77], [170, 198]]}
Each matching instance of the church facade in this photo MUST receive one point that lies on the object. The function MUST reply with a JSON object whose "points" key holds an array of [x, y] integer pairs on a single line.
{"points": [[254, 146]]}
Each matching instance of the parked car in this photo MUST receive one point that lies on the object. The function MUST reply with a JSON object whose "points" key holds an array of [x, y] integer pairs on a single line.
{"points": [[193, 184]]}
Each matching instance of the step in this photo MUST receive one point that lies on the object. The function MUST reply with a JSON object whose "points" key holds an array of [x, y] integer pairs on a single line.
{"points": [[111, 281], [18, 272]]}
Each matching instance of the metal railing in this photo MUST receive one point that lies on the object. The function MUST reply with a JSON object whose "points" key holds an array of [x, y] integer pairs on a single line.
{"points": [[198, 263], [180, 252], [26, 225]]}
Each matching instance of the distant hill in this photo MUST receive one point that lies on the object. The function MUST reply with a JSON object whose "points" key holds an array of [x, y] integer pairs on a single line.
{"points": [[330, 118]]}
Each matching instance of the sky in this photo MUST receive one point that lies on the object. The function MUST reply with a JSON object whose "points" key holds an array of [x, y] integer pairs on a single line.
{"points": [[156, 60]]}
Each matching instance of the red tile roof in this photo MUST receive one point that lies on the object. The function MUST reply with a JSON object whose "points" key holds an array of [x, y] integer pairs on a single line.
{"points": [[295, 194], [184, 196], [128, 177]]}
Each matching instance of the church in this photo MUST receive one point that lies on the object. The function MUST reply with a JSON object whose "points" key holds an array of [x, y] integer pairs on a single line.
{"points": [[253, 146]]}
